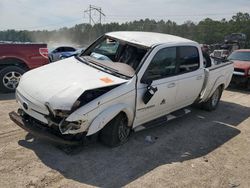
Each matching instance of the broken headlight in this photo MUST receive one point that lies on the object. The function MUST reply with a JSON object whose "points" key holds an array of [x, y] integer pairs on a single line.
{"points": [[62, 113], [65, 126], [90, 95]]}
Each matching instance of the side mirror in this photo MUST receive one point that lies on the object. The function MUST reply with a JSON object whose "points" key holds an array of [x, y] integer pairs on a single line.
{"points": [[149, 94]]}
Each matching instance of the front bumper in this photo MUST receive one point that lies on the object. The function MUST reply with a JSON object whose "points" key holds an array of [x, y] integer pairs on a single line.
{"points": [[41, 131]]}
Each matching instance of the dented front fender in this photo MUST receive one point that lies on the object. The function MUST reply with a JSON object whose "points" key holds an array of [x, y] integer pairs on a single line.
{"points": [[107, 115]]}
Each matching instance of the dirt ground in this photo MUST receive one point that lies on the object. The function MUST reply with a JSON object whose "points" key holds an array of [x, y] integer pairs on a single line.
{"points": [[201, 149]]}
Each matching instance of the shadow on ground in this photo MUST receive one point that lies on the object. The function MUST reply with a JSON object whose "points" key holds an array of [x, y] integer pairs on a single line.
{"points": [[239, 89], [189, 137], [7, 96]]}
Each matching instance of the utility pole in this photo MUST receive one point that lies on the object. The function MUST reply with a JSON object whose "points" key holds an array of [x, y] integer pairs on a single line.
{"points": [[90, 10], [90, 14]]}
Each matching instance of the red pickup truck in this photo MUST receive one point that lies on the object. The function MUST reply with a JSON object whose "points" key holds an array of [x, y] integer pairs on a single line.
{"points": [[17, 58]]}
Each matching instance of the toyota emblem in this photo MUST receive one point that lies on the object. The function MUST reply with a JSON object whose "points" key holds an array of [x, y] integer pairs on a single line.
{"points": [[25, 106]]}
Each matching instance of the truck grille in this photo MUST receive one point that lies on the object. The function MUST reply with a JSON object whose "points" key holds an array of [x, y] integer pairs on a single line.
{"points": [[31, 108]]}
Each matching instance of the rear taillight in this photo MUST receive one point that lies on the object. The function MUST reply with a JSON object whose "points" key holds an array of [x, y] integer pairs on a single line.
{"points": [[44, 52]]}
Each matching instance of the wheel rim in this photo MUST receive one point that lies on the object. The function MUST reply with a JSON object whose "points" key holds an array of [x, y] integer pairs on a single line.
{"points": [[215, 97], [11, 79], [123, 130]]}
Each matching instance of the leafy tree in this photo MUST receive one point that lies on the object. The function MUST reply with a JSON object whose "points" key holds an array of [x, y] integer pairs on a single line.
{"points": [[206, 31]]}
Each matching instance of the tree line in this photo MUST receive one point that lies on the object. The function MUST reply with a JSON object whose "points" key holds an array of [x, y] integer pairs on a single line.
{"points": [[207, 31]]}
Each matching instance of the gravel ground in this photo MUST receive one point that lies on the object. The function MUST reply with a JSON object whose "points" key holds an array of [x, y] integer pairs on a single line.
{"points": [[201, 149]]}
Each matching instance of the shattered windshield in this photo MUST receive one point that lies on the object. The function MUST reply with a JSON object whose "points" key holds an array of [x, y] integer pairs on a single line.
{"points": [[116, 56]]}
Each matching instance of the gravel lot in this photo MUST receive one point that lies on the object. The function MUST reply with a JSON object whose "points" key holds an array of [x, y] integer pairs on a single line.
{"points": [[201, 149]]}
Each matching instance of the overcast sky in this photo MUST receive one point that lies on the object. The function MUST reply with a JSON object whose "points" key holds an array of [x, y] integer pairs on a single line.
{"points": [[53, 14]]}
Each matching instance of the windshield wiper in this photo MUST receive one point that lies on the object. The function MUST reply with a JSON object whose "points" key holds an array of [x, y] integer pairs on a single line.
{"points": [[101, 65], [82, 60], [106, 68], [111, 70]]}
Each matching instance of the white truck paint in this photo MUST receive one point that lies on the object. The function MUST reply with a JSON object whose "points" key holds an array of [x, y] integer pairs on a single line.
{"points": [[56, 89]]}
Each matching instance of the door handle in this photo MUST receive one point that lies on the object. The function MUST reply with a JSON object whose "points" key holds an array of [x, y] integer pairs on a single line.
{"points": [[199, 77], [171, 85]]}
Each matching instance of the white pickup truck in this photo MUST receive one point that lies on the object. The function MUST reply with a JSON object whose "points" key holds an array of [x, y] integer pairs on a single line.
{"points": [[122, 82]]}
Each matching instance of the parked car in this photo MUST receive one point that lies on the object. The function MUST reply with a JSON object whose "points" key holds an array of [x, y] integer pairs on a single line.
{"points": [[137, 78], [241, 60], [70, 54], [17, 58], [57, 53]]}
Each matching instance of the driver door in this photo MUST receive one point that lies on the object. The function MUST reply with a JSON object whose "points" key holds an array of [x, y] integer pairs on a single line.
{"points": [[161, 71]]}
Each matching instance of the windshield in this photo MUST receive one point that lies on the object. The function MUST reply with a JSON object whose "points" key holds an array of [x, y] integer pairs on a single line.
{"points": [[51, 49], [242, 56], [116, 56]]}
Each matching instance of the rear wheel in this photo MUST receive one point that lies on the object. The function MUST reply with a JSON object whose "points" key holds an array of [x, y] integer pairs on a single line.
{"points": [[213, 101], [9, 78], [116, 132]]}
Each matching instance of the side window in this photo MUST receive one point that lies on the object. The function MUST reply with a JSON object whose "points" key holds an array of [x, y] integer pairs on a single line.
{"points": [[188, 59], [162, 65], [69, 49], [60, 49]]}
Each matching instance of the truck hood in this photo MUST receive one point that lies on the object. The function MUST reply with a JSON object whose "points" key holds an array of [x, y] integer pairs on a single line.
{"points": [[61, 83], [242, 64]]}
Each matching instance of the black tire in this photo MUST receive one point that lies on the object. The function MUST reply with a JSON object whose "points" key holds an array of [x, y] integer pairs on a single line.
{"points": [[213, 101], [9, 78], [116, 132]]}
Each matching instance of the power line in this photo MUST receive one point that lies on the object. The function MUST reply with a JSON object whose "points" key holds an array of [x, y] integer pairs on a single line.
{"points": [[90, 10]]}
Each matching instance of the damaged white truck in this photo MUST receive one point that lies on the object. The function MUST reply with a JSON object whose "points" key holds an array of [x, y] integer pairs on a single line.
{"points": [[124, 81]]}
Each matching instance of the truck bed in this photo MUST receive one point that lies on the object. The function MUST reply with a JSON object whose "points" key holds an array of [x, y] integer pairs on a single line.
{"points": [[216, 75]]}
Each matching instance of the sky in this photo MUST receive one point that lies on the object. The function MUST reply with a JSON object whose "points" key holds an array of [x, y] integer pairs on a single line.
{"points": [[55, 14]]}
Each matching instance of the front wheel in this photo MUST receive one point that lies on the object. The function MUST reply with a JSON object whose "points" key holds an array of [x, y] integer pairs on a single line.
{"points": [[116, 132], [9, 78], [213, 101]]}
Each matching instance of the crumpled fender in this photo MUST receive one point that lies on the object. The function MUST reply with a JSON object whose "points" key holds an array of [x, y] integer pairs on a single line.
{"points": [[108, 114]]}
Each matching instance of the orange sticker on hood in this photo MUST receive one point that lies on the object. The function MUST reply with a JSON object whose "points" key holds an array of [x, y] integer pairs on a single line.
{"points": [[106, 80]]}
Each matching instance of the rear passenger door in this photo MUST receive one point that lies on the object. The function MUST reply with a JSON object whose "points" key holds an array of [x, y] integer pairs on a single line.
{"points": [[190, 75]]}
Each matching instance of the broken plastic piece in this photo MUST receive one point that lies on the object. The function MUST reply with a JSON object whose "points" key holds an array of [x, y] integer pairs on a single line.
{"points": [[150, 139]]}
